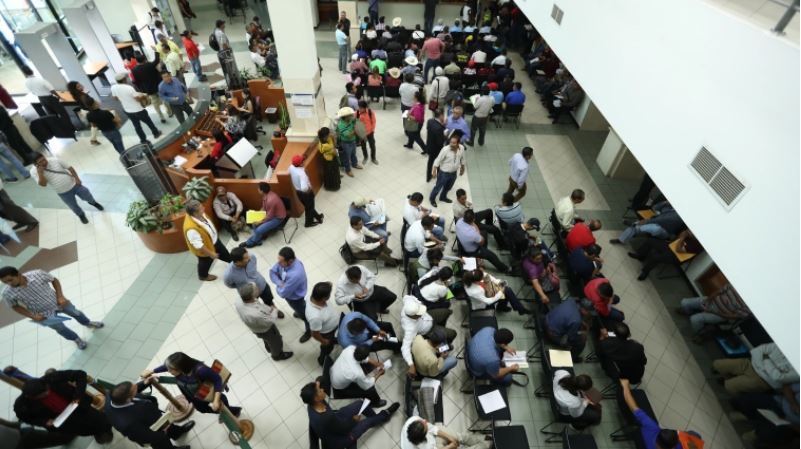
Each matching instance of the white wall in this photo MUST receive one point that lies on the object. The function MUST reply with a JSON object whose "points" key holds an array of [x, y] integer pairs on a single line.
{"points": [[119, 16], [411, 12], [673, 76]]}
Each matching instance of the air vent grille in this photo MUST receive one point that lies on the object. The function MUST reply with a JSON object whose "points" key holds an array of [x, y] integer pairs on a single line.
{"points": [[557, 14], [728, 189]]}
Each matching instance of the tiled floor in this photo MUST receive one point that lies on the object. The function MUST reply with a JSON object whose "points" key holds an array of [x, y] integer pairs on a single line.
{"points": [[154, 305]]}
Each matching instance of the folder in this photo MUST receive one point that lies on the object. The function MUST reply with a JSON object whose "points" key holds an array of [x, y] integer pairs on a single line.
{"points": [[255, 216]]}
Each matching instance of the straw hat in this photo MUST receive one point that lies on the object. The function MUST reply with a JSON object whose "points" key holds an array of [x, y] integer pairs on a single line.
{"points": [[344, 112], [396, 22], [394, 72], [411, 60]]}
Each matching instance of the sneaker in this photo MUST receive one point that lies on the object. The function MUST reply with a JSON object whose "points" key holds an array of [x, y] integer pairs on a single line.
{"points": [[97, 206], [84, 220], [305, 337], [80, 343], [96, 325]]}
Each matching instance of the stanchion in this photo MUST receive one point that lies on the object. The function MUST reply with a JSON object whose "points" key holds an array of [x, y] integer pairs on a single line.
{"points": [[180, 408], [239, 430]]}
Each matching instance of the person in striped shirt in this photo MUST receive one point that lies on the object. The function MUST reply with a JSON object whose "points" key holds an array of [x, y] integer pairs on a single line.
{"points": [[723, 306]]}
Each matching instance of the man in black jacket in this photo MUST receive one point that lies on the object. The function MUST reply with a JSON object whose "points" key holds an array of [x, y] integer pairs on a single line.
{"points": [[148, 78], [620, 356], [132, 414], [435, 139], [43, 399]]}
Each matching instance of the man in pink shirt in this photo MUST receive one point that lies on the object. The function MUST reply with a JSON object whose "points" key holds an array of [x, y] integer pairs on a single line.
{"points": [[276, 213], [433, 50], [599, 291]]}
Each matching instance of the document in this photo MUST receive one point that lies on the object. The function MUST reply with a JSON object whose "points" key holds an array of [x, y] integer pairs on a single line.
{"points": [[255, 216], [470, 264], [364, 406], [60, 419], [431, 383], [392, 339], [492, 401], [519, 357], [611, 334], [179, 161], [387, 364], [771, 416], [560, 359]]}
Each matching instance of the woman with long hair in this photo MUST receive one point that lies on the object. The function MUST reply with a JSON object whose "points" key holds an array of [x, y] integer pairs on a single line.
{"points": [[326, 144], [572, 397], [84, 101], [486, 291]]}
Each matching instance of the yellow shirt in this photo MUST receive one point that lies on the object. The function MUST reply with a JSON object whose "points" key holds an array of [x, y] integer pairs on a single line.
{"points": [[328, 150], [173, 48]]}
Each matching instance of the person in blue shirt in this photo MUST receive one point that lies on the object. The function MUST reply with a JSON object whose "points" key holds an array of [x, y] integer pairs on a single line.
{"points": [[456, 122], [289, 277], [653, 436], [174, 93], [516, 96], [586, 262], [495, 93], [457, 27], [484, 351], [563, 325], [358, 329], [474, 243]]}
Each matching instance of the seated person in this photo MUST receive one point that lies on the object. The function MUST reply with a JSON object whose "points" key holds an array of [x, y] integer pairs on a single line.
{"points": [[276, 213], [418, 433], [766, 434], [416, 320], [516, 97], [433, 257], [233, 122], [486, 291], [432, 288], [413, 211], [418, 234], [484, 351], [393, 79], [379, 63], [565, 209], [620, 356], [509, 211], [664, 225], [366, 244], [654, 436], [355, 371], [542, 276], [571, 395], [705, 312], [474, 243], [340, 429], [767, 369], [482, 217], [357, 329], [375, 79], [564, 325], [496, 94], [653, 251], [581, 236], [372, 214], [429, 360], [357, 286], [222, 141], [357, 64], [228, 209], [520, 237], [452, 69], [599, 291], [257, 54], [585, 262]]}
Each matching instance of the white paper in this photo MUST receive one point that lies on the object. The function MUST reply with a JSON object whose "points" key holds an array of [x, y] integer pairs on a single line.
{"points": [[304, 111], [392, 339], [492, 401], [771, 416], [560, 359], [431, 383], [387, 364], [64, 415], [179, 161], [519, 357], [470, 264], [365, 404], [611, 334]]}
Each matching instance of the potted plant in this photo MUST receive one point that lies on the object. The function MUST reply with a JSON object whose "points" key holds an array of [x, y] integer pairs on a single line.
{"points": [[197, 189], [141, 218], [283, 118], [169, 206], [160, 226]]}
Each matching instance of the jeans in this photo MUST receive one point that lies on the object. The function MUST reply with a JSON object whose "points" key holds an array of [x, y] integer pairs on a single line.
{"points": [[478, 124], [450, 363], [6, 153], [142, 116], [261, 231], [698, 317], [204, 263], [430, 64], [196, 67], [299, 306], [349, 158], [57, 325], [414, 137], [651, 229], [445, 181], [343, 58], [80, 191], [115, 138], [180, 109]]}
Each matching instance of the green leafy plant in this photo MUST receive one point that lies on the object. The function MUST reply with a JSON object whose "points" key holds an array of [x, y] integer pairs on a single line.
{"points": [[246, 75], [263, 71], [141, 217], [283, 117], [197, 189], [169, 204]]}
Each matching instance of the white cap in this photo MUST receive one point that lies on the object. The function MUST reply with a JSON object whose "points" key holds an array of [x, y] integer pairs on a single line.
{"points": [[414, 308]]}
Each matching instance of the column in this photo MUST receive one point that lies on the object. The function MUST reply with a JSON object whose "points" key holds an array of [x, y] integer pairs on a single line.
{"points": [[90, 28], [352, 12], [297, 61]]}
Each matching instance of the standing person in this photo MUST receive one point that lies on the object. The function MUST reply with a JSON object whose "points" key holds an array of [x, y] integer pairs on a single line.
{"points": [[9, 210], [219, 35], [148, 76], [108, 123], [175, 94], [303, 188], [413, 122], [346, 137], [15, 139], [407, 91], [326, 144], [84, 100], [7, 154], [450, 159], [428, 15], [483, 108], [202, 239], [153, 16], [30, 294], [367, 116], [273, 205], [435, 139], [289, 277], [132, 103], [193, 54], [65, 181], [433, 49], [260, 319], [323, 319], [228, 209], [243, 270], [48, 97], [342, 42], [518, 172], [188, 15], [457, 123], [372, 10]]}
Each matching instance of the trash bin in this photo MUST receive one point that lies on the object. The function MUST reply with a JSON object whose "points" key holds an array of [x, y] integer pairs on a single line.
{"points": [[272, 115]]}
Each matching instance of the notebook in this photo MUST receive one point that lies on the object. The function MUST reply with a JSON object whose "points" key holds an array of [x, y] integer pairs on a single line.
{"points": [[519, 357], [255, 216], [560, 359]]}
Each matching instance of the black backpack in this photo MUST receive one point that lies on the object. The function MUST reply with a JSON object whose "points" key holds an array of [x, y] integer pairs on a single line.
{"points": [[213, 41], [347, 254]]}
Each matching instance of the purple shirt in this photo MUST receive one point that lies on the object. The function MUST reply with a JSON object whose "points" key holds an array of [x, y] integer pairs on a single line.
{"points": [[533, 270], [461, 125], [290, 282], [468, 236]]}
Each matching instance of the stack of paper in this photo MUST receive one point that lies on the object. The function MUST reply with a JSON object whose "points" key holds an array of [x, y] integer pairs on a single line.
{"points": [[771, 416], [560, 359], [492, 401], [431, 383], [519, 357], [470, 264]]}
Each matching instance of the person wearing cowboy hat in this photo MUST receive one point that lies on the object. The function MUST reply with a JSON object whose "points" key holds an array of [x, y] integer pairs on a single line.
{"points": [[347, 138], [302, 185], [396, 25], [410, 65], [394, 78]]}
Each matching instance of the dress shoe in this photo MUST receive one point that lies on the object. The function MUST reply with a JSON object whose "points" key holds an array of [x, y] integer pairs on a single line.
{"points": [[349, 173], [393, 408], [375, 161], [643, 276], [235, 236], [80, 343], [379, 404], [281, 314], [305, 337], [84, 220], [434, 203], [310, 225], [446, 200], [408, 147], [210, 277], [283, 356], [97, 206], [635, 256], [615, 242], [186, 428], [296, 315], [320, 218], [30, 227]]}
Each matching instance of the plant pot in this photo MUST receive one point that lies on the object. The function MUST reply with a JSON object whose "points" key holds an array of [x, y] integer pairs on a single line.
{"points": [[168, 241]]}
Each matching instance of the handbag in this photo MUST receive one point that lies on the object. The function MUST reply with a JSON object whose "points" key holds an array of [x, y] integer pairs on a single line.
{"points": [[549, 281], [410, 124], [360, 130]]}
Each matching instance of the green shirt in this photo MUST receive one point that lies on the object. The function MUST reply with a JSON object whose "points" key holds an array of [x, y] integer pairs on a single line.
{"points": [[346, 131], [380, 63]]}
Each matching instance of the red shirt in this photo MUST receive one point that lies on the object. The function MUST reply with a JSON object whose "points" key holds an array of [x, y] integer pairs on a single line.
{"points": [[591, 292], [191, 48], [433, 48], [579, 237], [272, 204], [217, 149], [54, 402]]}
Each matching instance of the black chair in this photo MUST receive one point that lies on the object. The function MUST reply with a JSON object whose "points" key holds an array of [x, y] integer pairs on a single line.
{"points": [[630, 431], [282, 226], [374, 93], [513, 111], [558, 418], [509, 437], [580, 441], [503, 414], [391, 92], [395, 59], [404, 228]]}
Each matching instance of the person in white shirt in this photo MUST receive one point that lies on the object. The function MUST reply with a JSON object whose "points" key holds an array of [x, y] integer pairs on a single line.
{"points": [[255, 55], [357, 286], [418, 433], [407, 90], [438, 27], [432, 258], [417, 320], [202, 239], [483, 107], [479, 57], [323, 319], [260, 319], [464, 12], [413, 211], [486, 291], [433, 288], [153, 16], [302, 185], [570, 393], [131, 102], [420, 232], [440, 86], [366, 244], [518, 172], [64, 180], [565, 209], [46, 93], [445, 168], [355, 371], [500, 60]]}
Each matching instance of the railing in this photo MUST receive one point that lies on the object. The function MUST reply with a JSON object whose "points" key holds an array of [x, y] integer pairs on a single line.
{"points": [[789, 13]]}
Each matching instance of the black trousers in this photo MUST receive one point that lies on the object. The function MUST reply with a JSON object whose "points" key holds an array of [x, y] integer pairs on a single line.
{"points": [[266, 295], [485, 253], [478, 124], [380, 300], [307, 198], [432, 156], [652, 252], [204, 263], [226, 224], [180, 109], [11, 211], [30, 438], [53, 106], [489, 228], [326, 350], [371, 141]]}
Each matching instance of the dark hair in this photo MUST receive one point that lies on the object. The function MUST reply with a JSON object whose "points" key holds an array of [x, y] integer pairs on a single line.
{"points": [[158, 24], [416, 432], [622, 331], [287, 253], [667, 438], [507, 198], [356, 326], [574, 384], [517, 86], [353, 272], [416, 196], [472, 276], [434, 254], [321, 290], [527, 151], [363, 104], [427, 221], [503, 336], [323, 133], [460, 192], [308, 392], [219, 23], [237, 254], [418, 95], [119, 394], [485, 90], [181, 362], [469, 216], [354, 220], [436, 335], [606, 290], [264, 187], [408, 77], [219, 135], [443, 274], [8, 271], [577, 194], [361, 352], [439, 112], [593, 249], [34, 387], [348, 87]]}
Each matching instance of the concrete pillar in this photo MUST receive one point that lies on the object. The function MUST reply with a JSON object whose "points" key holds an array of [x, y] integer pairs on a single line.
{"points": [[90, 28], [352, 12], [616, 161], [292, 25]]}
